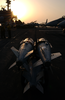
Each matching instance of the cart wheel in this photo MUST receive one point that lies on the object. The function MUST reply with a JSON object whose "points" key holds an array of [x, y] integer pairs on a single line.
{"points": [[22, 82], [46, 81]]}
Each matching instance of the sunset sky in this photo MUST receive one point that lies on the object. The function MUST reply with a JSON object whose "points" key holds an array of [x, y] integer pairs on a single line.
{"points": [[40, 10]]}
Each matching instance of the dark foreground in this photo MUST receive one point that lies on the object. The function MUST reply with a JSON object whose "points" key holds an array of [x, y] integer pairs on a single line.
{"points": [[10, 80]]}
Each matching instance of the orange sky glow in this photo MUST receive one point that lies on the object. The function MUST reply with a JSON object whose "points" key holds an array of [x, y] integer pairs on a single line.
{"points": [[40, 10]]}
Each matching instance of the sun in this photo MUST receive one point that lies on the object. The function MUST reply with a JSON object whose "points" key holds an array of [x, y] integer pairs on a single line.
{"points": [[18, 9]]}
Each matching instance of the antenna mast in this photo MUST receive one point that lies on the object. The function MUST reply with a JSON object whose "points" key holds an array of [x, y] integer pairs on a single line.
{"points": [[8, 4]]}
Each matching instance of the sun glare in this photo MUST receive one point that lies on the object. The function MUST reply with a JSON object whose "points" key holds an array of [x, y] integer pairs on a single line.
{"points": [[18, 9]]}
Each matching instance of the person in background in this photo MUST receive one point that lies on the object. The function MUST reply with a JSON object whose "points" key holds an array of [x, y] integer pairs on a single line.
{"points": [[3, 31], [9, 31]]}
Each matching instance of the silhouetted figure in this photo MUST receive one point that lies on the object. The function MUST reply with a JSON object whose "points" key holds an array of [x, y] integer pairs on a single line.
{"points": [[3, 31], [9, 31]]}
